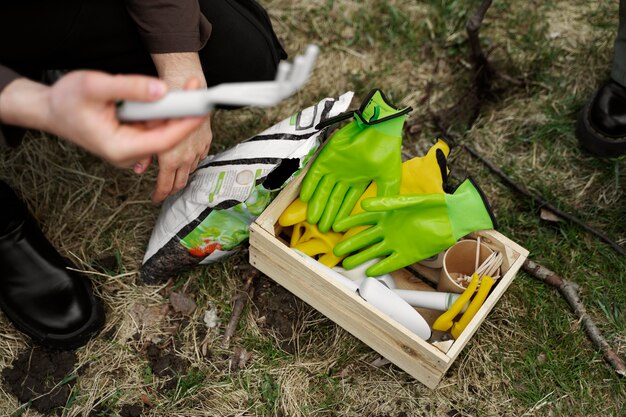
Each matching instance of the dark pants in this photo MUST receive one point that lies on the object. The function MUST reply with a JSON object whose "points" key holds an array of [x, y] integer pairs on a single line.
{"points": [[618, 72], [100, 34]]}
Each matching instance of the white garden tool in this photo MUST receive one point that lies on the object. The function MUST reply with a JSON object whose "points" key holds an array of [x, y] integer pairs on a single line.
{"points": [[182, 103]]}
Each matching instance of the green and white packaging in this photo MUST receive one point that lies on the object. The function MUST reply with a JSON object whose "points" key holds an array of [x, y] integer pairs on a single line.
{"points": [[209, 219]]}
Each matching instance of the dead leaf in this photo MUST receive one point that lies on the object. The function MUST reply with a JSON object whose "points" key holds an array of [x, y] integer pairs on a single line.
{"points": [[346, 372], [147, 316], [549, 216], [377, 363], [146, 400], [239, 359], [542, 358], [182, 303]]}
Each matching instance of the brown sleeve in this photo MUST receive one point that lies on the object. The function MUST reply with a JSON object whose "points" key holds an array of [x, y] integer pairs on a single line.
{"points": [[168, 26], [8, 134]]}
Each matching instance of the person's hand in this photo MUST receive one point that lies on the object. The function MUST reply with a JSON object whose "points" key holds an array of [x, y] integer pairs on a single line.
{"points": [[83, 109], [177, 163]]}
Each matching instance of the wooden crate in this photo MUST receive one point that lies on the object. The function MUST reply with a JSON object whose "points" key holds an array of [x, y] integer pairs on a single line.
{"points": [[425, 362]]}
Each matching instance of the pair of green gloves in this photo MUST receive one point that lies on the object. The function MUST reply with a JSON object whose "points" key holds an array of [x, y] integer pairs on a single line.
{"points": [[404, 228]]}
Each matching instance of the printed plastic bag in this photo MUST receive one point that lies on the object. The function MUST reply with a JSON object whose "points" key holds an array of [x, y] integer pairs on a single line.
{"points": [[209, 219]]}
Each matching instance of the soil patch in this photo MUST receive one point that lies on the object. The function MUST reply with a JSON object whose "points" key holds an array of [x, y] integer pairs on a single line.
{"points": [[131, 411], [278, 311], [127, 410], [166, 364], [36, 375]]}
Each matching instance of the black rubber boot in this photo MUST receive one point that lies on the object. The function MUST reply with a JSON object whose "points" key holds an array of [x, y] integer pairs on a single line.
{"points": [[53, 305], [601, 126]]}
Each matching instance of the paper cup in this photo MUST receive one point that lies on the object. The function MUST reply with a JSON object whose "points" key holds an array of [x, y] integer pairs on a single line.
{"points": [[459, 260]]}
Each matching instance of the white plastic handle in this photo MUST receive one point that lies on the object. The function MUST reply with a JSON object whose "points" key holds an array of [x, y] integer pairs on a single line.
{"points": [[358, 274], [175, 104], [390, 303], [440, 301]]}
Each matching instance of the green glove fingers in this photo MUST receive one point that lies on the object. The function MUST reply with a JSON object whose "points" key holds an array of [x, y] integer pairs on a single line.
{"points": [[320, 195], [335, 202], [361, 219], [375, 251], [309, 185], [350, 201], [362, 240], [366, 149], [400, 202], [410, 228]]}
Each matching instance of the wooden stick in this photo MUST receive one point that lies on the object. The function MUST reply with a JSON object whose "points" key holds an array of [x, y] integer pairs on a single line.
{"points": [[486, 264], [541, 201], [477, 253], [240, 302], [569, 291]]}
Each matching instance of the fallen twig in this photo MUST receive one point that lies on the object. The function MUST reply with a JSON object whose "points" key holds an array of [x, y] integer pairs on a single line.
{"points": [[240, 302], [542, 201], [569, 291]]}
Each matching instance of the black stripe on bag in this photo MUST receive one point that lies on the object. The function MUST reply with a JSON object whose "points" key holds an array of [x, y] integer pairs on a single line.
{"points": [[282, 136], [247, 161]]}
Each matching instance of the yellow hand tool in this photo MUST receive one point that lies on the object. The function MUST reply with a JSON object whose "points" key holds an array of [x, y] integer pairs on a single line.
{"points": [[308, 239], [444, 322], [485, 285], [295, 213]]}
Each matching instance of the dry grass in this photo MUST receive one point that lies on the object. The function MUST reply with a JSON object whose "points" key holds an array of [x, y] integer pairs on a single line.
{"points": [[560, 50]]}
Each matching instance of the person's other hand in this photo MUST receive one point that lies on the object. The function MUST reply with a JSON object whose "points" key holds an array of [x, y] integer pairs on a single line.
{"points": [[82, 109], [177, 163]]}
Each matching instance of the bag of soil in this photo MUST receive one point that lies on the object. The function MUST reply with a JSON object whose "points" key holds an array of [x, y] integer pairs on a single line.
{"points": [[209, 219]]}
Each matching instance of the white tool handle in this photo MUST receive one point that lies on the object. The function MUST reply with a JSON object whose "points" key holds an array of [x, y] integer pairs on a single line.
{"points": [[440, 301], [181, 103]]}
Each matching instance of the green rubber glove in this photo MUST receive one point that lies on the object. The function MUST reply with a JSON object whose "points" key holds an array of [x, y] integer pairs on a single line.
{"points": [[366, 149], [409, 228]]}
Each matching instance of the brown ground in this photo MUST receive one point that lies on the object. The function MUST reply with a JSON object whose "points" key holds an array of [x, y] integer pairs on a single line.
{"points": [[529, 358]]}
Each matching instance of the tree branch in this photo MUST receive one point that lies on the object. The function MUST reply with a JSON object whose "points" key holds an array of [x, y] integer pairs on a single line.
{"points": [[240, 302], [569, 291]]}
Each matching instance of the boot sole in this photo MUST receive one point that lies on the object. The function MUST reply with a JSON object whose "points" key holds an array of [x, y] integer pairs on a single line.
{"points": [[65, 341], [594, 141]]}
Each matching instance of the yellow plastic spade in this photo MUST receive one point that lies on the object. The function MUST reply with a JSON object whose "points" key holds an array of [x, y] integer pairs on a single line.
{"points": [[308, 239], [444, 322], [485, 285], [295, 213]]}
